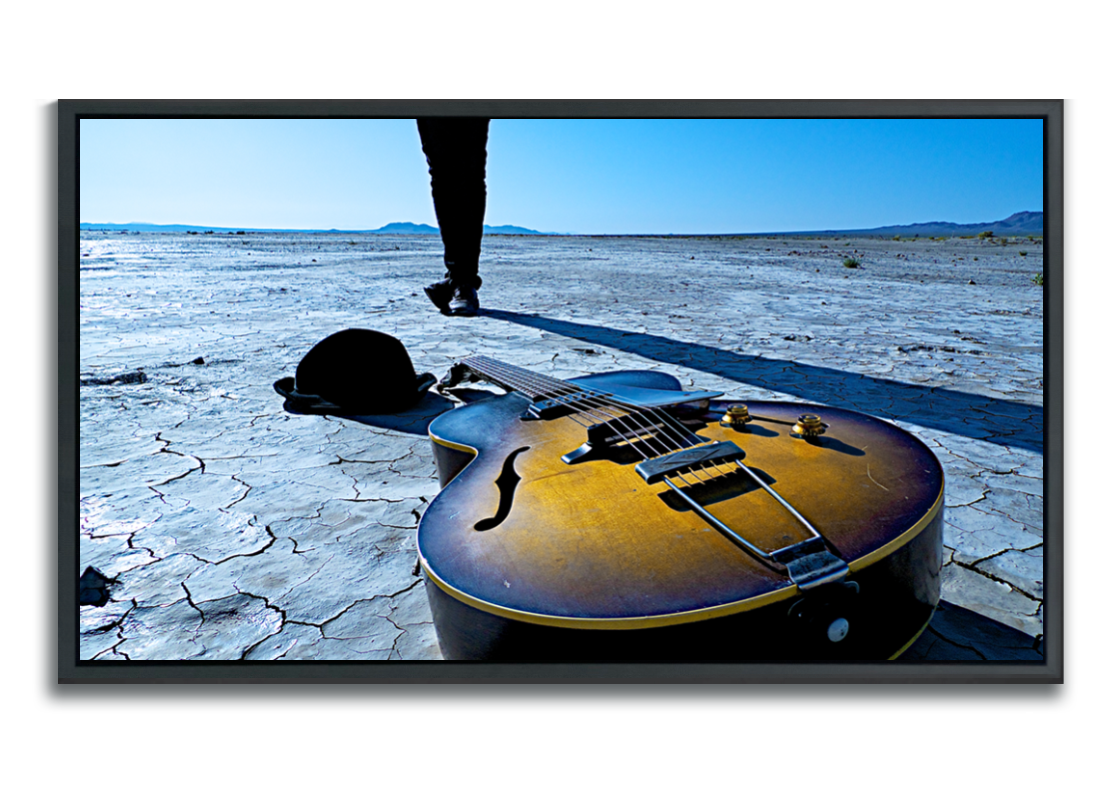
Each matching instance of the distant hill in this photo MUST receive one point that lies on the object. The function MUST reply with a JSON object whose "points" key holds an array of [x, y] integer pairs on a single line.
{"points": [[423, 228], [406, 228], [1019, 224], [390, 228], [510, 229]]}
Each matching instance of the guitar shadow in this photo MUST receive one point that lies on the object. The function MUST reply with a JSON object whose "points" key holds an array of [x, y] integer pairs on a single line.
{"points": [[957, 635], [1000, 421]]}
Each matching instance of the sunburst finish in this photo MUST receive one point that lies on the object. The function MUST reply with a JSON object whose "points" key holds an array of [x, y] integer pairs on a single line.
{"points": [[529, 557]]}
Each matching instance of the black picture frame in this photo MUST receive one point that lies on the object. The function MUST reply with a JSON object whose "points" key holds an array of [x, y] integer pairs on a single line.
{"points": [[71, 670]]}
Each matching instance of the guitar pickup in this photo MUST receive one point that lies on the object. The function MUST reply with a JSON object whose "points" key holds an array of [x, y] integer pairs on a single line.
{"points": [[657, 469]]}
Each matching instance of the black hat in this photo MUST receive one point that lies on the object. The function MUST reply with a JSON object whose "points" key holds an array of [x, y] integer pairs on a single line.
{"points": [[354, 372]]}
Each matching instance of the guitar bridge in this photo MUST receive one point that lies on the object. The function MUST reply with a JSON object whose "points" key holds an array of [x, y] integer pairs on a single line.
{"points": [[657, 469]]}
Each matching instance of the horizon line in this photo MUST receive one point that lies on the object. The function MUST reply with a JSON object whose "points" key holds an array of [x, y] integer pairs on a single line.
{"points": [[180, 227]]}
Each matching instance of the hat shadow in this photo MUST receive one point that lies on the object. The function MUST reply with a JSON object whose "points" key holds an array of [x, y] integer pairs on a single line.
{"points": [[415, 420]]}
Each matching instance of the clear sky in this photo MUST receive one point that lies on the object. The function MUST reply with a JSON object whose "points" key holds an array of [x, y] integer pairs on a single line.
{"points": [[572, 176]]}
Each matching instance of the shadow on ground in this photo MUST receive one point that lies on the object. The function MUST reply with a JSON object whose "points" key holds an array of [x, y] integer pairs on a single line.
{"points": [[934, 408], [413, 421], [957, 635]]}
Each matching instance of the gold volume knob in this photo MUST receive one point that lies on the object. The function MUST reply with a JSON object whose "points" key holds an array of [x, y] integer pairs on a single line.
{"points": [[736, 416], [809, 426]]}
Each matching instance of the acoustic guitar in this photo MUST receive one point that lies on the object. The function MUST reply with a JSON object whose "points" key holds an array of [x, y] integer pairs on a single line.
{"points": [[616, 517]]}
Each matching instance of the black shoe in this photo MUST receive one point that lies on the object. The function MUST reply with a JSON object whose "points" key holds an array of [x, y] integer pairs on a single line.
{"points": [[453, 300], [440, 294], [464, 302]]}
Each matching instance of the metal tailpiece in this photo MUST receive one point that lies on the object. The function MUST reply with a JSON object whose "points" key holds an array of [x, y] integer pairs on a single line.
{"points": [[810, 564]]}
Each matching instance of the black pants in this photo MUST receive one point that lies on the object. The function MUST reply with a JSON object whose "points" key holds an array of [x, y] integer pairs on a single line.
{"points": [[455, 152]]}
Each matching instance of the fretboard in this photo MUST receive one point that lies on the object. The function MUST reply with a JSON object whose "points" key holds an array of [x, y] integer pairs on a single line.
{"points": [[534, 386]]}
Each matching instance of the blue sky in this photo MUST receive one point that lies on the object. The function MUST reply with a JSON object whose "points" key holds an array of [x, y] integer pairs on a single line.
{"points": [[591, 176]]}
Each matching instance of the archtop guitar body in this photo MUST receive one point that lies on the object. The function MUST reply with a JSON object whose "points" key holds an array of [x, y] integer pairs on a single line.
{"points": [[615, 517]]}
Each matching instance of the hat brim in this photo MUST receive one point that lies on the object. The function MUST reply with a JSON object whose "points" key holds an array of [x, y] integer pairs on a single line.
{"points": [[312, 404]]}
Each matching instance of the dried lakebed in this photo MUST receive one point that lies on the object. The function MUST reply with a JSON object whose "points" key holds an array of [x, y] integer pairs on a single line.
{"points": [[234, 530]]}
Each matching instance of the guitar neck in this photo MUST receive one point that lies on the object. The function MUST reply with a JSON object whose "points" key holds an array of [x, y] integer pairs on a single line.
{"points": [[534, 386]]}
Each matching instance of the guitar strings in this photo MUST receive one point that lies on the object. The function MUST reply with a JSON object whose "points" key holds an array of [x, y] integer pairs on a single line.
{"points": [[529, 384], [510, 374], [683, 438], [556, 387]]}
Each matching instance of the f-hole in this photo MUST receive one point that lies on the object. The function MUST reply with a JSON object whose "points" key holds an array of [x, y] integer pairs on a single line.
{"points": [[506, 484]]}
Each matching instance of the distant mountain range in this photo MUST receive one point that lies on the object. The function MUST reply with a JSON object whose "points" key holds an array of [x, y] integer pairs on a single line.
{"points": [[390, 228], [1019, 224]]}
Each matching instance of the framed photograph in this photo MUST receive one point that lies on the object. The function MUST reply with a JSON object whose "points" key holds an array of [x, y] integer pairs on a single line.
{"points": [[560, 391]]}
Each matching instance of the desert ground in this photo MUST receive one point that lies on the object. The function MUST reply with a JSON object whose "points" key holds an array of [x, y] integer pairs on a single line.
{"points": [[233, 529]]}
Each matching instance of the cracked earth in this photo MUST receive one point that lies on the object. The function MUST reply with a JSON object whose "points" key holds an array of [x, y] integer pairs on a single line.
{"points": [[232, 529]]}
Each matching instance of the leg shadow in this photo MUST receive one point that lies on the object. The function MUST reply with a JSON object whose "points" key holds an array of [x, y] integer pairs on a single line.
{"points": [[1000, 421]]}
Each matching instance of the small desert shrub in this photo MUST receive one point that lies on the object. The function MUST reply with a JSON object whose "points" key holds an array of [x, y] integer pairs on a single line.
{"points": [[1022, 252], [984, 235], [1037, 279], [851, 263]]}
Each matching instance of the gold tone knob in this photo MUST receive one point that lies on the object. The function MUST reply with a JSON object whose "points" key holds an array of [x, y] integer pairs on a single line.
{"points": [[736, 416], [810, 426]]}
